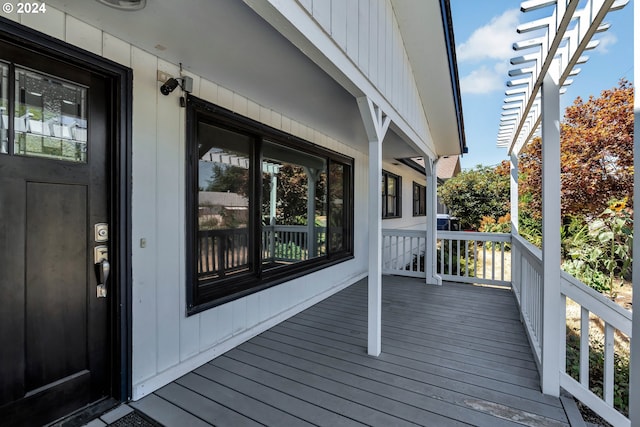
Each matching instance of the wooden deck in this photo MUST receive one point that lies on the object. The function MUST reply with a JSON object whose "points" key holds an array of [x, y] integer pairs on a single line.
{"points": [[452, 355]]}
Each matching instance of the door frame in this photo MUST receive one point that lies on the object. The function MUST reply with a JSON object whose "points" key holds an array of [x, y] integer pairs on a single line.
{"points": [[120, 82]]}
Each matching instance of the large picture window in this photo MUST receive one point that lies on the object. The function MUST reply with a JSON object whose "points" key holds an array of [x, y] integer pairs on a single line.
{"points": [[263, 206]]}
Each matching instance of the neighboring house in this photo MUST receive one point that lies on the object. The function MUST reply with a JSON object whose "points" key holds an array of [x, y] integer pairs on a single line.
{"points": [[108, 292], [448, 167]]}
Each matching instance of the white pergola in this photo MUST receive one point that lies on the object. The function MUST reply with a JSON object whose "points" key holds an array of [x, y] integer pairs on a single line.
{"points": [[532, 107]]}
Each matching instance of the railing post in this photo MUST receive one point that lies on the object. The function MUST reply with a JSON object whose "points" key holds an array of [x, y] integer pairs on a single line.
{"points": [[431, 252], [514, 192], [551, 309], [634, 384]]}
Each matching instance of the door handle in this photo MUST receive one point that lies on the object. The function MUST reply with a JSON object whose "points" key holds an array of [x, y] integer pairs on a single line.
{"points": [[103, 268], [102, 271]]}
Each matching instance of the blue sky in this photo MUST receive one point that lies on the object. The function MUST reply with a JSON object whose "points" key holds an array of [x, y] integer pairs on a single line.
{"points": [[484, 32]]}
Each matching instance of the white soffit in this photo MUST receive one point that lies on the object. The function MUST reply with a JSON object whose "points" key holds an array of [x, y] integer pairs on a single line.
{"points": [[422, 31]]}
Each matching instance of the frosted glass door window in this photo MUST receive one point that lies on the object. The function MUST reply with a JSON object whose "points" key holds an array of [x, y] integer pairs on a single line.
{"points": [[50, 117]]}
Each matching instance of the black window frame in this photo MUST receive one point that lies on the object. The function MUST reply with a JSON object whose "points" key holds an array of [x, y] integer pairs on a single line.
{"points": [[386, 178], [420, 202], [204, 295]]}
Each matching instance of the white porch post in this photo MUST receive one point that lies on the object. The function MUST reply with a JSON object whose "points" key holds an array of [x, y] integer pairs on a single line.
{"points": [[431, 252], [552, 324], [514, 192], [634, 383], [376, 125]]}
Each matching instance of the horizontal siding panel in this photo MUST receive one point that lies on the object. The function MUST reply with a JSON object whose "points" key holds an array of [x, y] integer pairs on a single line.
{"points": [[52, 22], [116, 50], [83, 35]]}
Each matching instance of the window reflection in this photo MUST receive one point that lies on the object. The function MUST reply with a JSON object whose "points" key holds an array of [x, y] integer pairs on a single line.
{"points": [[294, 212], [223, 202], [4, 108], [50, 117], [337, 220]]}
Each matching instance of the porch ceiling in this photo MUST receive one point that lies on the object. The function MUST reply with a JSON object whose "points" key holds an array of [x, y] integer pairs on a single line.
{"points": [[228, 43]]}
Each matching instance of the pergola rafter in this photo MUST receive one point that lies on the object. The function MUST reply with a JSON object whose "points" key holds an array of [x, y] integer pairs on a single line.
{"points": [[568, 33], [547, 65]]}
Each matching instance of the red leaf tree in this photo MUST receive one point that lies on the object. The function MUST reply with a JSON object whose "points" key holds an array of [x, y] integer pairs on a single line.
{"points": [[596, 143]]}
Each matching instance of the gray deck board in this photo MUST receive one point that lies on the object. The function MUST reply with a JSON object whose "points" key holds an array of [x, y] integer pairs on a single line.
{"points": [[451, 355]]}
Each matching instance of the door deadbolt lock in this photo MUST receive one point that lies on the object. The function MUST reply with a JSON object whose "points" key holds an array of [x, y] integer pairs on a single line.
{"points": [[101, 232]]}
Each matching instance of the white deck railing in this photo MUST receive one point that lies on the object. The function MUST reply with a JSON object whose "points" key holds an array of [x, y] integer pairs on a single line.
{"points": [[614, 321], [403, 252], [526, 282], [462, 256], [484, 258], [595, 309], [472, 257]]}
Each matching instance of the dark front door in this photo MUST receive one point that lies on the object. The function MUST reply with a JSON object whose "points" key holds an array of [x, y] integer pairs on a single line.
{"points": [[54, 349]]}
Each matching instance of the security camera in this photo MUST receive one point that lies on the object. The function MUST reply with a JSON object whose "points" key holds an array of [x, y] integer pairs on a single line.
{"points": [[169, 86], [186, 83]]}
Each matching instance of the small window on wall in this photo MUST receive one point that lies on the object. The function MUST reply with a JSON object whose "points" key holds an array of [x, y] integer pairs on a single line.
{"points": [[263, 207], [391, 191], [419, 199]]}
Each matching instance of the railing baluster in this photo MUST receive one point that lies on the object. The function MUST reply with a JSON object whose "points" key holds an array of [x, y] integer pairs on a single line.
{"points": [[475, 258], [493, 260], [466, 258], [484, 261], [458, 262], [502, 249], [608, 363], [584, 347], [442, 256], [404, 251]]}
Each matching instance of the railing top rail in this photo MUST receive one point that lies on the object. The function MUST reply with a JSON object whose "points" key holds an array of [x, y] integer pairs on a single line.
{"points": [[282, 227], [403, 233], [518, 239], [612, 313], [223, 232], [474, 235]]}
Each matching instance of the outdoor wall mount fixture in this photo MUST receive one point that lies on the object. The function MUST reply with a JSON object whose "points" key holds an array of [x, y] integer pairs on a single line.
{"points": [[185, 83]]}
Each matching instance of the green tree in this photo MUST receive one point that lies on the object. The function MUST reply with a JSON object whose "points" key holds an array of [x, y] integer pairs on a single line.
{"points": [[475, 193], [228, 179]]}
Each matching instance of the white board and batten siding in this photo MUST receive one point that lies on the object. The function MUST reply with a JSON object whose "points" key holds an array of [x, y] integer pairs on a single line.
{"points": [[368, 34], [167, 343]]}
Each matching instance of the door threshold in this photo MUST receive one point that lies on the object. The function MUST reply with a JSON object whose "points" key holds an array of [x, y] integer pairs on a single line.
{"points": [[84, 415]]}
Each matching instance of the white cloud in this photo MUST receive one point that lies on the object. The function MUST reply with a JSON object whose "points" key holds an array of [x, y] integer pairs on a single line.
{"points": [[492, 41], [483, 80], [607, 39]]}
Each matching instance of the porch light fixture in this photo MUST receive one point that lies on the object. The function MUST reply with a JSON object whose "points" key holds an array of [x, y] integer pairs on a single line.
{"points": [[128, 5]]}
